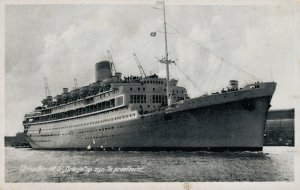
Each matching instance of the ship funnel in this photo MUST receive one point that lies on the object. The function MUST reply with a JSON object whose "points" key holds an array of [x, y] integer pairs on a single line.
{"points": [[103, 70], [234, 84]]}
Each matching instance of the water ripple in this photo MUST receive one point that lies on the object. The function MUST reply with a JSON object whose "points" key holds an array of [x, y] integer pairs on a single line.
{"points": [[273, 164]]}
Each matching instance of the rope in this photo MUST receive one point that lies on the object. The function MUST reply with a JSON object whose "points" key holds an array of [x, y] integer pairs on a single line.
{"points": [[196, 87], [225, 61], [208, 73], [136, 51], [216, 75]]}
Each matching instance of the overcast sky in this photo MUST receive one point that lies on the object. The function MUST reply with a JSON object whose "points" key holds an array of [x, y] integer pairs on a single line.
{"points": [[63, 42]]}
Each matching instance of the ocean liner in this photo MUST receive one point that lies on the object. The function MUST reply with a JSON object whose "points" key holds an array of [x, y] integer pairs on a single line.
{"points": [[150, 113]]}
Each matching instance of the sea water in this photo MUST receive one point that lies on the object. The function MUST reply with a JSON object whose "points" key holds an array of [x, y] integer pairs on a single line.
{"points": [[29, 165]]}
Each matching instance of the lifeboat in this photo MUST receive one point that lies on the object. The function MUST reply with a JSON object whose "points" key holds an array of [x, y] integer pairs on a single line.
{"points": [[94, 89], [65, 97], [84, 92], [74, 94]]}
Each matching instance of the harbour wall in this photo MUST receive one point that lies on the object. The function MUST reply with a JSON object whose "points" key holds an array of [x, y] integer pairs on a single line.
{"points": [[280, 128]]}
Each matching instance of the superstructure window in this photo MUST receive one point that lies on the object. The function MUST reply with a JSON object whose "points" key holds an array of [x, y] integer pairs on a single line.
{"points": [[141, 99], [131, 98], [138, 99]]}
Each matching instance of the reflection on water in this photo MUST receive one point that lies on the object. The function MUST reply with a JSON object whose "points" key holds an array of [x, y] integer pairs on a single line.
{"points": [[28, 165]]}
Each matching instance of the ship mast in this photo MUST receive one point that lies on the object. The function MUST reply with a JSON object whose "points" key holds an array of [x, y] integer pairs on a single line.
{"points": [[166, 59], [47, 91]]}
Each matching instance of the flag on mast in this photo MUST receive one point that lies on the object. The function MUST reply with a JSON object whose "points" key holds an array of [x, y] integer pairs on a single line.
{"points": [[153, 34]]}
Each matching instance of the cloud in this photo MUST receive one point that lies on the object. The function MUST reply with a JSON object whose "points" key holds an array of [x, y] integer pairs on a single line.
{"points": [[74, 52], [254, 39]]}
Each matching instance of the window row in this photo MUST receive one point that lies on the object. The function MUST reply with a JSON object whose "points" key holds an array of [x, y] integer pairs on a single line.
{"points": [[153, 82], [93, 122], [118, 135], [139, 89], [138, 99], [95, 130], [87, 100], [80, 111], [159, 99], [69, 123]]}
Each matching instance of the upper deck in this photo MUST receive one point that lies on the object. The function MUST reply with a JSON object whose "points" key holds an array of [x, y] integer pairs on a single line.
{"points": [[112, 93], [142, 94]]}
